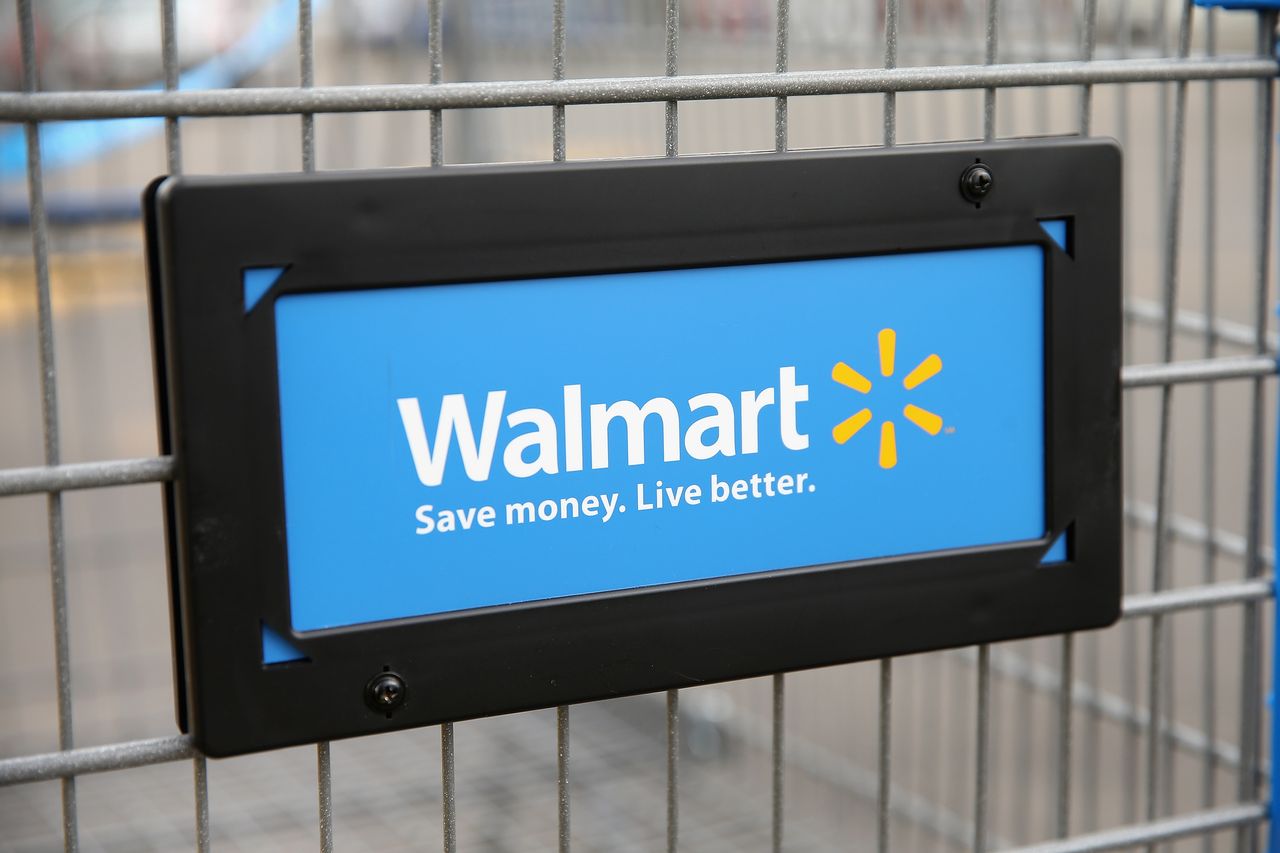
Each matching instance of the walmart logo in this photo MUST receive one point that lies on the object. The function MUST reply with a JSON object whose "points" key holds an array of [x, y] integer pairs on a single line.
{"points": [[850, 378]]}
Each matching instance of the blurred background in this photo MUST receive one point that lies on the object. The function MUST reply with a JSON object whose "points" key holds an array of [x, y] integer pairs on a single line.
{"points": [[387, 789]]}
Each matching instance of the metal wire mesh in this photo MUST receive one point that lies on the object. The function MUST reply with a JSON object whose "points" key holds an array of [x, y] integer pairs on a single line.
{"points": [[1147, 734]]}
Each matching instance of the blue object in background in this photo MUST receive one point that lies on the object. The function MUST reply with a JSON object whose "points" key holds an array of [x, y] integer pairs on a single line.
{"points": [[352, 492], [67, 143], [1241, 4]]}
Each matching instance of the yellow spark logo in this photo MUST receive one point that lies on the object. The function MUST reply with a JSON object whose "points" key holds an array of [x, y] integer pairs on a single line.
{"points": [[850, 378]]}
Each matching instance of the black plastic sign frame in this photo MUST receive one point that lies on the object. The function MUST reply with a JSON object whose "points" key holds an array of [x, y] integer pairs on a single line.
{"points": [[217, 382]]}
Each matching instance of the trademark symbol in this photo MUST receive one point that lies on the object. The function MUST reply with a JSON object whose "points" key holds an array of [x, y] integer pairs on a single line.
{"points": [[950, 430]]}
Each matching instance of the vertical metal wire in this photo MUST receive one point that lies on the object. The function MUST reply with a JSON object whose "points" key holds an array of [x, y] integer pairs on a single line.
{"points": [[200, 770], [1092, 733], [324, 789], [890, 61], [306, 62], [562, 775], [1066, 670], [1090, 42], [557, 73], [781, 57], [672, 134], [982, 733], [49, 423], [989, 95], [306, 75], [980, 744], [173, 162], [673, 68], [558, 155], [448, 793], [306, 67], [779, 759], [1023, 744], [1042, 55], [1066, 698], [1130, 747], [882, 794], [169, 57], [781, 61], [1066, 667], [1208, 674], [435, 56], [1091, 739], [886, 665], [673, 770], [1249, 781], [1173, 212]]}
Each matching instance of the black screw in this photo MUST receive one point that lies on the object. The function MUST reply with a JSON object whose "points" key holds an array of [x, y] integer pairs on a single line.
{"points": [[976, 182], [385, 692]]}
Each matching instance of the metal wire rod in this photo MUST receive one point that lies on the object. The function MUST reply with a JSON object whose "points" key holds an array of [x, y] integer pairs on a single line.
{"points": [[85, 475], [1090, 43], [94, 759], [672, 129], [169, 54], [779, 760], [781, 59], [435, 56], [1212, 370], [1169, 829], [673, 770], [1209, 436], [324, 790], [989, 96], [1197, 597], [55, 106], [448, 790], [200, 772], [557, 74], [306, 79], [1066, 667], [981, 747], [49, 424], [1066, 707], [890, 61], [1248, 781], [884, 791], [125, 472], [562, 776]]}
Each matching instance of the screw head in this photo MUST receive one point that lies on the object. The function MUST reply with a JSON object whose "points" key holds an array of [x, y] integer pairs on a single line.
{"points": [[385, 692], [976, 182]]}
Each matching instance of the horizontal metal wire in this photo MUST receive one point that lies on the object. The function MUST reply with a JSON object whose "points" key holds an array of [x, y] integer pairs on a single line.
{"points": [[124, 472], [1197, 597], [85, 475], [1195, 824], [94, 759], [1209, 370], [52, 106]]}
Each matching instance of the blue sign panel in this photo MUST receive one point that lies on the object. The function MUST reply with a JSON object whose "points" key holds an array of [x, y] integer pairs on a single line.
{"points": [[449, 447]]}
